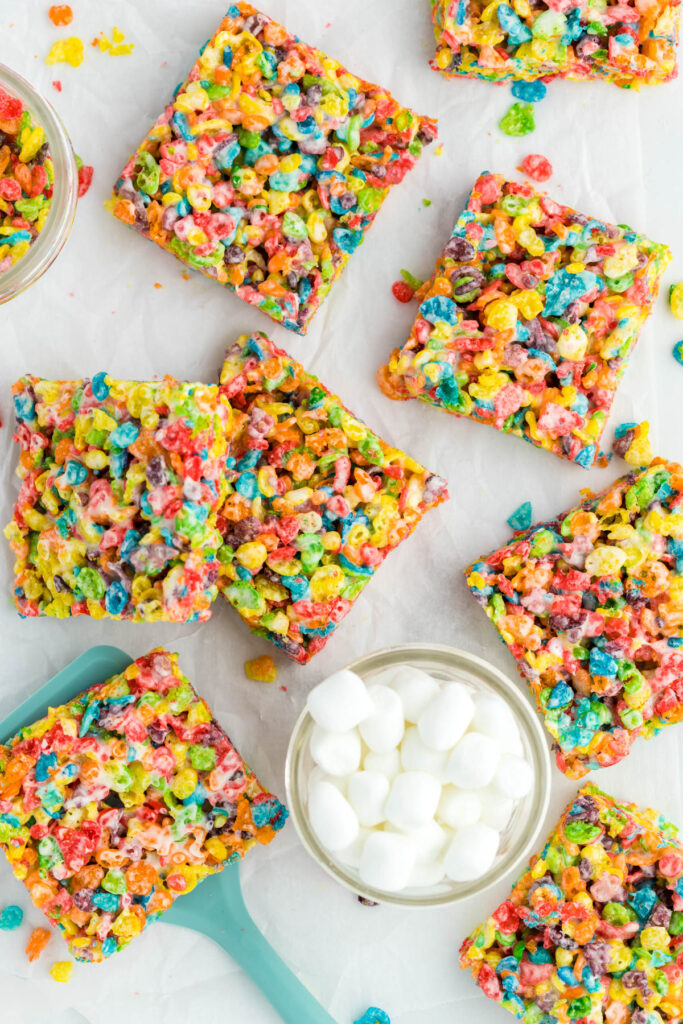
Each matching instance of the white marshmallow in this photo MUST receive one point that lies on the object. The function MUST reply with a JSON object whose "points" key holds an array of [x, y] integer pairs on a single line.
{"points": [[367, 794], [429, 842], [412, 800], [446, 717], [386, 861], [415, 688], [493, 717], [318, 775], [496, 809], [416, 756], [332, 817], [388, 764], [424, 876], [340, 702], [458, 808], [350, 856], [337, 753], [471, 853], [514, 776], [383, 728], [473, 762]]}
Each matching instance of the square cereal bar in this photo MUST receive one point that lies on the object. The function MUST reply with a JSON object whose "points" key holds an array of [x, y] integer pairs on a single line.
{"points": [[591, 607], [121, 483], [119, 802], [629, 45], [268, 166], [318, 501], [593, 930], [529, 319]]}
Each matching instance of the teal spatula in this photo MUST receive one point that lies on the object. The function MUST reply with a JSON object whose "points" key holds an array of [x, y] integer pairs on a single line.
{"points": [[216, 907]]}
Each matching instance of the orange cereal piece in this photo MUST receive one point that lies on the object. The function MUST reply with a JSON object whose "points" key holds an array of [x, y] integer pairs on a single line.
{"points": [[60, 15], [37, 941], [261, 670]]}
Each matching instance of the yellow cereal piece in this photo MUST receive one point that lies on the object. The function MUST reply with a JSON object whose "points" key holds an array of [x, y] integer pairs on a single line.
{"points": [[62, 970], [66, 51], [262, 669]]}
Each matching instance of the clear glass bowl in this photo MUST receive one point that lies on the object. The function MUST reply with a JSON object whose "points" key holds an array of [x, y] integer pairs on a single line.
{"points": [[49, 242], [518, 838]]}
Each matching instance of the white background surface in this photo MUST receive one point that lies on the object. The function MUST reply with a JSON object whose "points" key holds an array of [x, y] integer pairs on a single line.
{"points": [[616, 156]]}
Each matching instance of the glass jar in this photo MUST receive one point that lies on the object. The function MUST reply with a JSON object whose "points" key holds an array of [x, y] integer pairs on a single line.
{"points": [[46, 247], [518, 839]]}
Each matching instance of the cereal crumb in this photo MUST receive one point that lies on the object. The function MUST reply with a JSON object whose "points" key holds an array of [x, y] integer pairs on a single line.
{"points": [[261, 670]]}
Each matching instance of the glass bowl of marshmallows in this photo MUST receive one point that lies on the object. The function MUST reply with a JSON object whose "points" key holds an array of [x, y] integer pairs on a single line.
{"points": [[419, 776]]}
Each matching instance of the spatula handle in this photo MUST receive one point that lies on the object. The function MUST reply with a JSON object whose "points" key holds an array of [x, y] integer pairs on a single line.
{"points": [[280, 986]]}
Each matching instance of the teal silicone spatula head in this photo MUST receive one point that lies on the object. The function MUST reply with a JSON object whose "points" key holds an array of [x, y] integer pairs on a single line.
{"points": [[215, 907]]}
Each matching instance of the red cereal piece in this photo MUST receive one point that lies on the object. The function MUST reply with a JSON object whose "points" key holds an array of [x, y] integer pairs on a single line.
{"points": [[57, 85], [85, 174], [10, 106], [537, 167], [402, 291]]}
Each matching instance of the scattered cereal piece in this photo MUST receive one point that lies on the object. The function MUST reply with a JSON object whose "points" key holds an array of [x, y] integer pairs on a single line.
{"points": [[521, 517], [374, 1015], [536, 167], [519, 120], [262, 670], [188, 803], [57, 85], [115, 47], [426, 202], [529, 92], [158, 284], [414, 282], [62, 970], [592, 930], [10, 918], [676, 300], [678, 352], [37, 941], [60, 15], [85, 175], [402, 291], [66, 51], [439, 150], [632, 443], [287, 134]]}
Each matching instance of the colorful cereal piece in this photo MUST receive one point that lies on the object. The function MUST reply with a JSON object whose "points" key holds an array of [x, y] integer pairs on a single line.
{"points": [[116, 46], [632, 443], [316, 503], [593, 929], [519, 120], [121, 483], [591, 607], [536, 167], [628, 46], [10, 918], [676, 300], [529, 319], [66, 51], [402, 291], [529, 92], [261, 670], [374, 1015], [117, 803], [268, 166], [678, 352], [60, 15], [37, 941], [521, 518], [26, 180], [62, 971]]}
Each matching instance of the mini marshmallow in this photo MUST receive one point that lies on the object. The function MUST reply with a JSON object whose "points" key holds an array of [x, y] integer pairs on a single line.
{"points": [[415, 688], [471, 853], [446, 717], [496, 809], [493, 718], [318, 775], [367, 794], [429, 842], [350, 856], [458, 807], [412, 800], [416, 756], [386, 861], [340, 702], [425, 876], [337, 753], [332, 817], [514, 776], [383, 728], [388, 764], [473, 762]]}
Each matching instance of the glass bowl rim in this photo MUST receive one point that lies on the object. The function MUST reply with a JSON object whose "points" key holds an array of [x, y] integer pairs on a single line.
{"points": [[536, 736], [52, 238]]}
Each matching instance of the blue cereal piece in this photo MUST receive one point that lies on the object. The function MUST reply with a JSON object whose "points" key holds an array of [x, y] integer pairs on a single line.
{"points": [[374, 1015], [10, 918], [529, 92], [521, 518], [678, 352]]}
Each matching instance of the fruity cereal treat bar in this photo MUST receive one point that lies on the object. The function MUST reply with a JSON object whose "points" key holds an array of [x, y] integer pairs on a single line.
{"points": [[629, 45], [114, 805], [591, 607], [529, 319], [317, 500], [593, 930], [121, 483], [268, 166]]}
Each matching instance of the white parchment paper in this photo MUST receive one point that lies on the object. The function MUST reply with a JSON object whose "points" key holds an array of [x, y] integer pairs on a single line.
{"points": [[617, 156]]}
